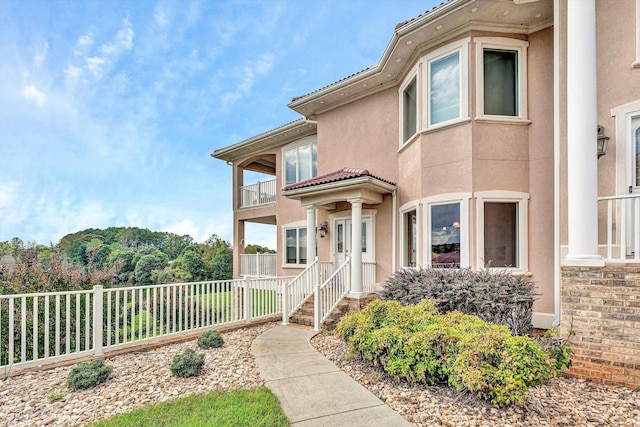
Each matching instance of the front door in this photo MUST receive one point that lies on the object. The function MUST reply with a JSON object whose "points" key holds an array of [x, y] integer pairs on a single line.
{"points": [[342, 240]]}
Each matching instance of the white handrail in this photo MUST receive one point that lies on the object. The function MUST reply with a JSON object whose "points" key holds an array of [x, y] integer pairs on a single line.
{"points": [[622, 227], [300, 289], [332, 291]]}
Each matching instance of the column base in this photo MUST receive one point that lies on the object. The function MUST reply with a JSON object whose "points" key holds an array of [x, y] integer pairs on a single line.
{"points": [[584, 260]]}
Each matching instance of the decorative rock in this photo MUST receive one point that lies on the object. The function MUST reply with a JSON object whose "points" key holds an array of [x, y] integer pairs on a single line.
{"points": [[138, 379]]}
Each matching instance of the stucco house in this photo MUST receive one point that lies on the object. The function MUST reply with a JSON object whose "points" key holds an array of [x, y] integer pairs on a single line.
{"points": [[491, 134]]}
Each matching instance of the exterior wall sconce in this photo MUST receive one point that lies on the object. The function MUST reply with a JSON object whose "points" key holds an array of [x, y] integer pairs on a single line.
{"points": [[603, 141], [324, 229]]}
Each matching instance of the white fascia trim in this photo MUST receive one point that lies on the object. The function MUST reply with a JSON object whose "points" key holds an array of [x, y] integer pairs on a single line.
{"points": [[279, 134], [462, 47], [506, 44], [523, 226]]}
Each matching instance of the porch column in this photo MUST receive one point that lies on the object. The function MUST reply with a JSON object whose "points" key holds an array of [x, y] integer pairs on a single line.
{"points": [[582, 121], [311, 233], [356, 248]]}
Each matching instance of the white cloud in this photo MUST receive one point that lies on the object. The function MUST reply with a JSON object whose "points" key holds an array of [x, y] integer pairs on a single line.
{"points": [[258, 67], [186, 226], [31, 93], [95, 65], [83, 44], [41, 55], [122, 43]]}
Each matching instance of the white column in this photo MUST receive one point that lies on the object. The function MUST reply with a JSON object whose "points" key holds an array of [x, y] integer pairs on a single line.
{"points": [[311, 234], [356, 248], [582, 118]]}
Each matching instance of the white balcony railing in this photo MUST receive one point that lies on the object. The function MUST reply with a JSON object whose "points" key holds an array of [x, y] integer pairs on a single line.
{"points": [[622, 227], [260, 265], [260, 193]]}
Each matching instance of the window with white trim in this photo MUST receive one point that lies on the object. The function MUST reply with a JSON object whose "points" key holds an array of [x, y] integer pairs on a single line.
{"points": [[296, 246], [300, 161], [447, 231], [501, 70], [446, 84], [502, 230], [410, 239], [409, 112]]}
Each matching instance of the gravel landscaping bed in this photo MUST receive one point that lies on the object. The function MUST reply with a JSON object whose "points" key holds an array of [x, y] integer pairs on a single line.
{"points": [[138, 379], [561, 402]]}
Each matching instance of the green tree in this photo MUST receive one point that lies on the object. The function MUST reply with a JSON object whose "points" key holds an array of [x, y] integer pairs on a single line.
{"points": [[222, 265], [147, 264]]}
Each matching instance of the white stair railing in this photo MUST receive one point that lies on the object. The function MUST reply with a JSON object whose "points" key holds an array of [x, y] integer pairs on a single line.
{"points": [[300, 289], [622, 227], [331, 292]]}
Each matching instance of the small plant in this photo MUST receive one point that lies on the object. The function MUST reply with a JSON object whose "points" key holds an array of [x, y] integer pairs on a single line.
{"points": [[558, 348], [55, 395], [188, 364], [210, 339], [88, 374]]}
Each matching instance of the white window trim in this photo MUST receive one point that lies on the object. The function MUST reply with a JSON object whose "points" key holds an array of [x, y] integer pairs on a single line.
{"points": [[636, 63], [408, 207], [292, 226], [506, 44], [445, 199], [307, 140], [407, 81], [462, 47], [523, 230]]}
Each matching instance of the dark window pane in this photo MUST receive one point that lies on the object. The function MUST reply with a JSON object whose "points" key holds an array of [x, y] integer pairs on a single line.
{"points": [[500, 82], [445, 235], [500, 234]]}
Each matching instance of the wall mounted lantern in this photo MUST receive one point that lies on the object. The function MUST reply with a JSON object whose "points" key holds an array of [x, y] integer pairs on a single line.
{"points": [[603, 141], [324, 229]]}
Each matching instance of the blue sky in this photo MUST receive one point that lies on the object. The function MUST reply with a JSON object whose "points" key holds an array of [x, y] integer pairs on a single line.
{"points": [[109, 110]]}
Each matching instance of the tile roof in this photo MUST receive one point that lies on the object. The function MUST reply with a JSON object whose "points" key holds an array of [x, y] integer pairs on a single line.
{"points": [[340, 175]]}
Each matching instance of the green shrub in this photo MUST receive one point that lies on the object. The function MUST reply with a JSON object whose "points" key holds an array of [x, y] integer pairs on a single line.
{"points": [[495, 296], [187, 364], [88, 374], [210, 339], [416, 344], [558, 348]]}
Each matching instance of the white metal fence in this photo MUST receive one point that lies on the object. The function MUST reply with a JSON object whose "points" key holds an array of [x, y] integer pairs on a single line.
{"points": [[258, 264], [622, 227], [260, 193], [45, 327]]}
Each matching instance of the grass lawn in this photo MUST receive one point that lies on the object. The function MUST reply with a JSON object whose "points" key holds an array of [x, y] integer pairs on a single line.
{"points": [[238, 408]]}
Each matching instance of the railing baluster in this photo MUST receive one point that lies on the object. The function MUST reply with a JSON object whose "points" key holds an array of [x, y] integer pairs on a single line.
{"points": [[109, 318], [11, 337], [87, 320], [67, 321], [57, 325], [35, 328], [23, 330]]}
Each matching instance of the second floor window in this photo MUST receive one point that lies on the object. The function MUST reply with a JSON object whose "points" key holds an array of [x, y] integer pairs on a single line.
{"points": [[301, 162], [500, 82], [409, 110]]}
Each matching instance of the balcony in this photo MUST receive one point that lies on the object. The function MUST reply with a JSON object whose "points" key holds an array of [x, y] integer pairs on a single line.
{"points": [[258, 194]]}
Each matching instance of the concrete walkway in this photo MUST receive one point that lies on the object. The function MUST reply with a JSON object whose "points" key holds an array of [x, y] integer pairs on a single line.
{"points": [[313, 391]]}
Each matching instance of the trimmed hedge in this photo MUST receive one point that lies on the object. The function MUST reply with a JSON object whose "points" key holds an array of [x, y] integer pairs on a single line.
{"points": [[417, 344], [494, 296]]}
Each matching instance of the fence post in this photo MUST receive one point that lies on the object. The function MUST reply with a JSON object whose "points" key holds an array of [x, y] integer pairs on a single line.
{"points": [[97, 319], [257, 264], [285, 303], [317, 315], [247, 300]]}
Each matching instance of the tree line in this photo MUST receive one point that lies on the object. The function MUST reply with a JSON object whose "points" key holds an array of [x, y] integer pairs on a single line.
{"points": [[112, 256]]}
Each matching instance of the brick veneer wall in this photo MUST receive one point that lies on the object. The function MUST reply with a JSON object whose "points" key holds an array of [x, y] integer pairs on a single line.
{"points": [[604, 306]]}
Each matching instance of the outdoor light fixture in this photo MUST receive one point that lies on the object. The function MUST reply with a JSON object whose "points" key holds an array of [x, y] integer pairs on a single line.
{"points": [[324, 229], [603, 140]]}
